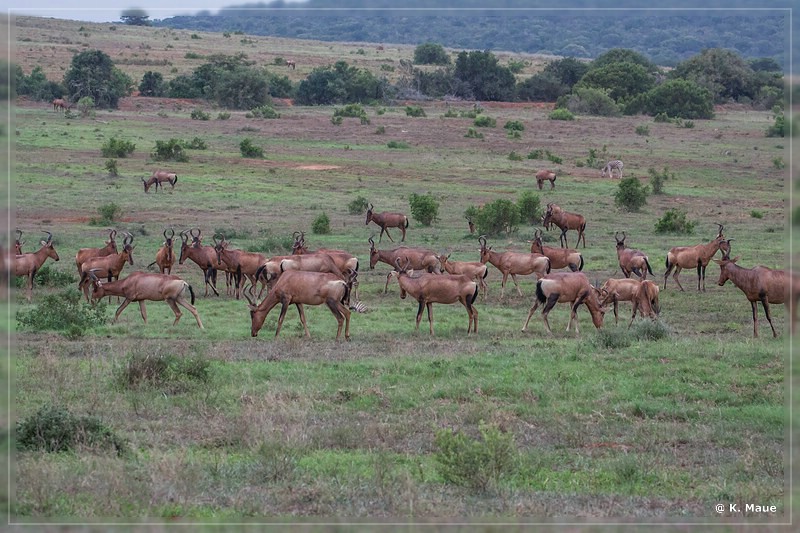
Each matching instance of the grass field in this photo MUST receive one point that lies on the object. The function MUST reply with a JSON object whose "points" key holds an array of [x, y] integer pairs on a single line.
{"points": [[659, 422]]}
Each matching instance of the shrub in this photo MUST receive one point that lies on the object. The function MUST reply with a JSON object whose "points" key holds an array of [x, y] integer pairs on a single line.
{"points": [[424, 208], [472, 133], [431, 54], [536, 154], [248, 149], [657, 179], [108, 213], [48, 276], [475, 463], [530, 208], [167, 373], [514, 135], [662, 117], [398, 144], [756, 214], [590, 101], [631, 194], [357, 206], [111, 167], [199, 114], [514, 156], [352, 111], [63, 312], [54, 429], [778, 163], [643, 130], [117, 148], [223, 115], [674, 221], [264, 111], [483, 121], [86, 106], [195, 144], [171, 150], [500, 216], [380, 130], [561, 114], [321, 225], [554, 158], [514, 125], [415, 111]]}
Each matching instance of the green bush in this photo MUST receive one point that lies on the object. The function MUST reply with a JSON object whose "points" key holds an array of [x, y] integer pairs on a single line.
{"points": [[756, 214], [424, 208], [199, 114], [561, 114], [514, 156], [514, 125], [398, 144], [248, 149], [111, 167], [472, 133], [643, 130], [415, 111], [358, 206], [475, 463], [117, 148], [223, 115], [171, 150], [321, 225], [674, 221], [195, 144], [431, 54], [591, 101], [63, 312], [657, 179], [264, 111], [500, 216], [48, 276], [631, 194], [54, 429], [483, 121], [530, 208], [662, 117], [168, 373], [108, 214], [352, 111]]}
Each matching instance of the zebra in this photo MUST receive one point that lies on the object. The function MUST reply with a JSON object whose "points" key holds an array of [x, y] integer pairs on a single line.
{"points": [[610, 167]]}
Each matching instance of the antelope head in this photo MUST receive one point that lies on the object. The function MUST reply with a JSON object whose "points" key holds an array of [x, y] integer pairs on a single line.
{"points": [[719, 234], [127, 246], [369, 214], [373, 253], [196, 240], [620, 242]]}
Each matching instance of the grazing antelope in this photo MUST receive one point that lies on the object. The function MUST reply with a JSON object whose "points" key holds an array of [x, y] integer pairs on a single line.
{"points": [[29, 264], [343, 260], [143, 286], [762, 284], [84, 254], [204, 256], [59, 104], [697, 256], [109, 266], [387, 220], [165, 256], [18, 243], [514, 263], [239, 262], [561, 287], [290, 63], [559, 257], [471, 225], [630, 260], [419, 259], [428, 289], [305, 288], [610, 167], [646, 300], [158, 178], [474, 270], [546, 175], [565, 221], [619, 290]]}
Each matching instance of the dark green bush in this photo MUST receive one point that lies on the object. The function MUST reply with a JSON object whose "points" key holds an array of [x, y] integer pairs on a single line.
{"points": [[415, 111], [352, 111], [483, 121], [431, 54], [631, 194], [117, 148], [168, 373], [264, 111], [514, 156], [402, 145], [500, 216], [424, 208], [657, 179], [248, 149], [358, 206], [54, 429], [195, 144], [674, 221], [530, 208], [171, 150], [561, 114], [63, 312], [514, 125], [111, 167], [321, 225], [108, 214], [472, 133], [475, 463], [48, 276], [199, 114]]}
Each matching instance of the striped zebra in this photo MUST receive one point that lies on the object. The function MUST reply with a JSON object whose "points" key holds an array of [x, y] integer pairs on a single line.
{"points": [[610, 167]]}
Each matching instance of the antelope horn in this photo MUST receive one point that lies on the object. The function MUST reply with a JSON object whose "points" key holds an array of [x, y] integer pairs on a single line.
{"points": [[371, 242], [624, 236], [214, 236], [49, 235], [172, 233], [112, 233], [482, 241], [295, 236], [720, 229], [165, 235], [144, 180], [247, 296], [128, 238], [371, 207], [537, 234], [184, 236], [19, 234]]}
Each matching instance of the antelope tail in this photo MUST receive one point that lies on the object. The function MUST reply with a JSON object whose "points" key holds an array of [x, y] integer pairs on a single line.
{"points": [[539, 293], [471, 299], [650, 270], [581, 265], [406, 222], [191, 292]]}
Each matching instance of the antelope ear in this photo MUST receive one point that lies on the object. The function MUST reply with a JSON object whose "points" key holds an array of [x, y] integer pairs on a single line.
{"points": [[735, 258], [717, 261]]}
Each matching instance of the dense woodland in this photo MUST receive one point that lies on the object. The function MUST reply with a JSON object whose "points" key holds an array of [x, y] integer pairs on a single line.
{"points": [[666, 37]]}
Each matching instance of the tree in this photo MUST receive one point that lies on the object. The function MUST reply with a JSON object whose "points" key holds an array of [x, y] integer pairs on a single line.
{"points": [[568, 71], [431, 54], [152, 84], [339, 84], [244, 88], [679, 99], [622, 80], [485, 76], [723, 72], [622, 55], [135, 16], [92, 73]]}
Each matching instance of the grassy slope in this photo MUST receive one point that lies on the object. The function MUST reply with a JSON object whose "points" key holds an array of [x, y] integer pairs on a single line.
{"points": [[605, 424]]}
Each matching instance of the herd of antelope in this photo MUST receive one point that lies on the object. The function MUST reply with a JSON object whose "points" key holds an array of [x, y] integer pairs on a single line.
{"points": [[329, 276]]}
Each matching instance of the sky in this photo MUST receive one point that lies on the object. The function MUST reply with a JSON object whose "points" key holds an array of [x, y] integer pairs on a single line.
{"points": [[88, 11]]}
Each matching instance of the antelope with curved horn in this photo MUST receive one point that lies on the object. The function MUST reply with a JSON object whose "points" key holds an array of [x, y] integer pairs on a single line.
{"points": [[697, 256], [562, 287], [630, 260], [18, 243], [387, 220], [514, 263], [158, 178], [428, 289], [419, 259], [343, 259], [204, 256], [559, 257], [546, 175], [165, 256], [109, 266], [565, 221], [84, 254], [305, 288], [474, 270], [471, 225], [29, 264], [144, 286], [239, 262], [628, 290]]}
